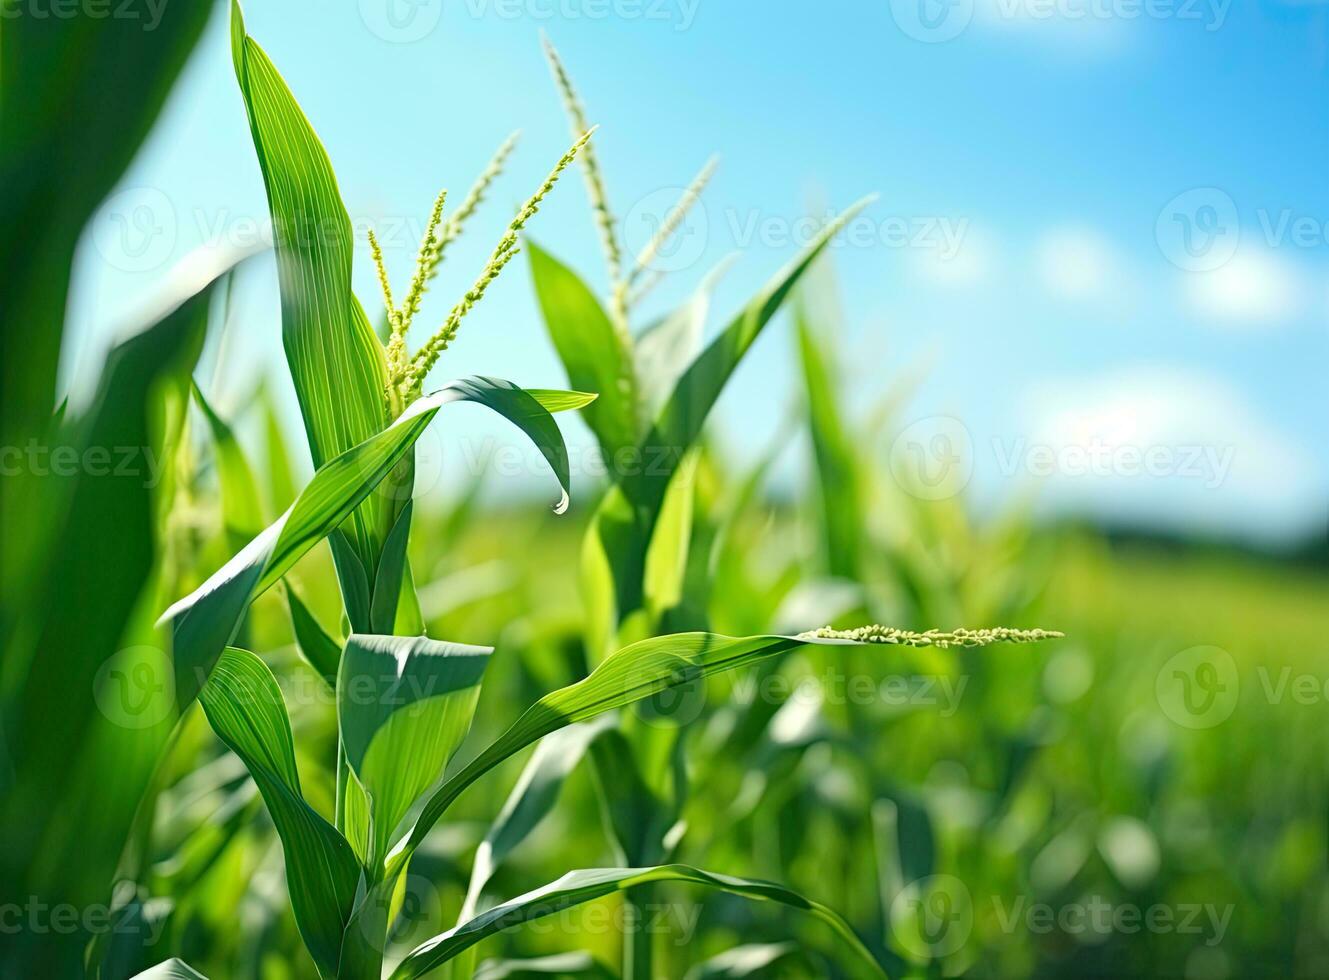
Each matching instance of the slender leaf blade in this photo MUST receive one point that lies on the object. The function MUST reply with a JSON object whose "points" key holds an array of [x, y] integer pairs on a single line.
{"points": [[579, 887], [245, 708]]}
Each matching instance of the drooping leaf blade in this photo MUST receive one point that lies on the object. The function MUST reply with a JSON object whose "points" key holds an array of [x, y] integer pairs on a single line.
{"points": [[245, 708], [578, 887], [204, 621]]}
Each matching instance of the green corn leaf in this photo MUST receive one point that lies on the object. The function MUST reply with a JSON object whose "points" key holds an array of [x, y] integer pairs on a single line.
{"points": [[173, 969], [594, 352], [666, 347], [241, 511], [836, 455], [559, 965], [246, 710], [754, 960], [578, 887], [315, 644], [633, 673], [403, 706], [337, 364], [635, 818], [75, 636], [205, 621], [278, 470], [667, 555], [80, 95], [626, 518], [561, 401], [389, 581]]}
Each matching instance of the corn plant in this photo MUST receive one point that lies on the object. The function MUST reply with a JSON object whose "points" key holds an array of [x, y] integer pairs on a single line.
{"points": [[404, 701]]}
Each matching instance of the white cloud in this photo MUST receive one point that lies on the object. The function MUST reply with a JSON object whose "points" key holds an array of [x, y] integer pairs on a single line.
{"points": [[1155, 443], [1256, 288]]}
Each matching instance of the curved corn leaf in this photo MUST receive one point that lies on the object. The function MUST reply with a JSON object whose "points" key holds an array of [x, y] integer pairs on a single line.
{"points": [[322, 652], [666, 347], [205, 621], [246, 710], [626, 518], [594, 352], [633, 673], [403, 706], [559, 965], [173, 969], [390, 580], [578, 887], [555, 401]]}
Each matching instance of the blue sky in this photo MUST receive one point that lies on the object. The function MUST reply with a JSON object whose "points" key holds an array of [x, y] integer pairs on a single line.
{"points": [[1101, 241]]}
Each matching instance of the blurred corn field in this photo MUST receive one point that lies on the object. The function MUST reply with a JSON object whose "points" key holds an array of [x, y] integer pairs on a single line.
{"points": [[657, 735]]}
